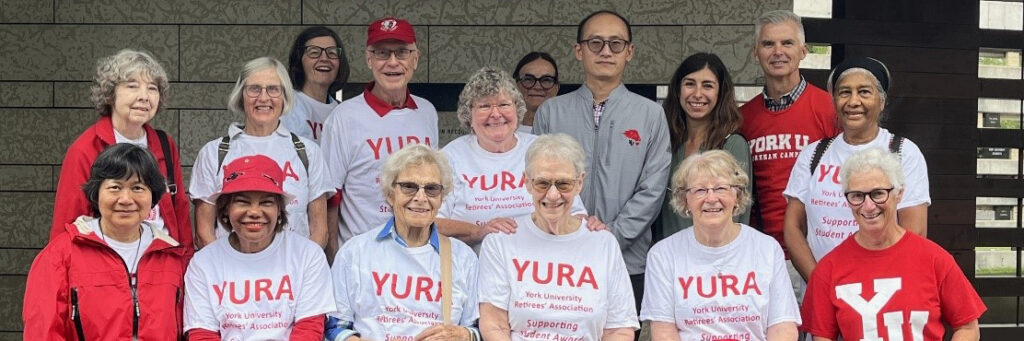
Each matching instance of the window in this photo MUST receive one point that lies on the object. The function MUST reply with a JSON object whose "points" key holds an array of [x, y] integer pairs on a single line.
{"points": [[813, 8], [998, 15], [999, 63]]}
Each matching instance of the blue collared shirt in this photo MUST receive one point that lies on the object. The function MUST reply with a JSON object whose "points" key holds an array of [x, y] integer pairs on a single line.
{"points": [[389, 232]]}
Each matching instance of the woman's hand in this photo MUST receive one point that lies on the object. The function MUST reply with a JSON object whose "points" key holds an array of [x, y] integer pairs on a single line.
{"points": [[595, 224], [443, 332], [503, 225]]}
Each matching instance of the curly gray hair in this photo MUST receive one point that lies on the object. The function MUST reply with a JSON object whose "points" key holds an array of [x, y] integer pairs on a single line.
{"points": [[236, 100], [415, 154], [869, 159], [123, 66], [558, 146], [715, 163], [488, 81]]}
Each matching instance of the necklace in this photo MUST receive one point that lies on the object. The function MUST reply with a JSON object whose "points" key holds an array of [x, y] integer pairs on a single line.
{"points": [[135, 258]]}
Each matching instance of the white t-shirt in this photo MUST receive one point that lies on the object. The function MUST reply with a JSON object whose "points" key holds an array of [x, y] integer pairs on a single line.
{"points": [[257, 296], [308, 116], [207, 179], [829, 219], [131, 253], [489, 185], [735, 291], [154, 214], [525, 129], [390, 291], [573, 285], [356, 142]]}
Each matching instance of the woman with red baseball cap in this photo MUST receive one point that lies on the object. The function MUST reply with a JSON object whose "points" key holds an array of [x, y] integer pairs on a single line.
{"points": [[261, 282]]}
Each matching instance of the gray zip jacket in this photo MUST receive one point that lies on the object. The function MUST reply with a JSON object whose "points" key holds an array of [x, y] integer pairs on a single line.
{"points": [[627, 161]]}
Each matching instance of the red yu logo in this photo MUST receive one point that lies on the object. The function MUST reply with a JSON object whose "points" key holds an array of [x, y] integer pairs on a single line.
{"points": [[632, 136], [388, 25]]}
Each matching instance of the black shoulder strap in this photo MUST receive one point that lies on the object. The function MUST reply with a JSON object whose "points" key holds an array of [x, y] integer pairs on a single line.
{"points": [[300, 148], [819, 151], [896, 145], [222, 150], [165, 144]]}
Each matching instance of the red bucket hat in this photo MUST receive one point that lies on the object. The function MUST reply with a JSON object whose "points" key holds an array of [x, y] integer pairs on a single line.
{"points": [[254, 173], [390, 28]]}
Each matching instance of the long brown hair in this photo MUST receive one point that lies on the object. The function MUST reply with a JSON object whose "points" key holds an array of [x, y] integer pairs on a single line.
{"points": [[725, 116]]}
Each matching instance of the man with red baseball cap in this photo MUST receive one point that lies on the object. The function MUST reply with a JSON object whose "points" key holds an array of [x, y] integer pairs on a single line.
{"points": [[361, 132]]}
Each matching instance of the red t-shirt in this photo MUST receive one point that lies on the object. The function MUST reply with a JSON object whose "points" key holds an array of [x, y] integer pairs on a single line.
{"points": [[912, 287], [776, 139]]}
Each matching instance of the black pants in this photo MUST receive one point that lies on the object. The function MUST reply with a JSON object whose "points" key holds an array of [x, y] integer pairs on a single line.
{"points": [[638, 294]]}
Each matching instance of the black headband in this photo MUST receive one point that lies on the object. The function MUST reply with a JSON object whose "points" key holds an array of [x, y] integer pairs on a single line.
{"points": [[873, 66]]}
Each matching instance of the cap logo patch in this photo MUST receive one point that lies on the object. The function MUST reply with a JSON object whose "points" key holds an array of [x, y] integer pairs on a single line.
{"points": [[388, 25]]}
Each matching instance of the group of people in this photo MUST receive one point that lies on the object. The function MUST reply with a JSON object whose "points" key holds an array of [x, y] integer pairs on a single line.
{"points": [[342, 220]]}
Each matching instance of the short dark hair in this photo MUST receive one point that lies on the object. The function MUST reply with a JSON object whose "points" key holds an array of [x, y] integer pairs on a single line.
{"points": [[532, 56], [222, 211], [298, 75], [579, 29], [121, 161]]}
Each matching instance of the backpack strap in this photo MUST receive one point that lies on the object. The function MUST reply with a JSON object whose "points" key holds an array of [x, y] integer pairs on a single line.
{"points": [[222, 150], [446, 278], [300, 148], [165, 144], [896, 145], [819, 151]]}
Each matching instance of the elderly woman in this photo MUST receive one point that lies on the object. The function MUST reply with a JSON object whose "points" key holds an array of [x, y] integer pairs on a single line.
{"points": [[536, 75], [404, 280], [817, 219], [719, 280], [261, 282], [130, 89], [113, 275], [318, 69], [702, 115], [554, 277], [263, 93], [882, 282], [488, 163]]}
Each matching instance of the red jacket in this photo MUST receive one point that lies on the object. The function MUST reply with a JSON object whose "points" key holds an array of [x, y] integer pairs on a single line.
{"points": [[70, 202], [79, 281]]}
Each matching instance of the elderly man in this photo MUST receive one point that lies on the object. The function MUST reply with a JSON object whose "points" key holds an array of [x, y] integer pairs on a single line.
{"points": [[362, 131], [625, 137], [787, 116]]}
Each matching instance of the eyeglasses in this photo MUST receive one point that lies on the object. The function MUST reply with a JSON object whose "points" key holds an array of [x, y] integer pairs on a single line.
{"points": [[546, 82], [595, 45], [385, 54], [489, 108], [563, 185], [878, 195], [313, 51], [255, 90], [701, 192], [411, 188]]}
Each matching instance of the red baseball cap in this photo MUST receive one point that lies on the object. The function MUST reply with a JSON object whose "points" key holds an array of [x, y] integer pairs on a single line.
{"points": [[390, 28], [254, 173]]}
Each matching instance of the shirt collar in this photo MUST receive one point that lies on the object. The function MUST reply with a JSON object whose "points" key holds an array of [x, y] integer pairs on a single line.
{"points": [[236, 128], [383, 108], [616, 93], [389, 232], [786, 99]]}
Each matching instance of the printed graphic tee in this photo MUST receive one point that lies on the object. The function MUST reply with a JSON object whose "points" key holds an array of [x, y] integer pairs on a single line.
{"points": [[572, 285], [308, 116], [829, 218], [257, 296], [731, 292]]}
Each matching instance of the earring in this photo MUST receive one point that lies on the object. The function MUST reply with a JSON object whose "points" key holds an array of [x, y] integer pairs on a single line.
{"points": [[686, 212]]}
